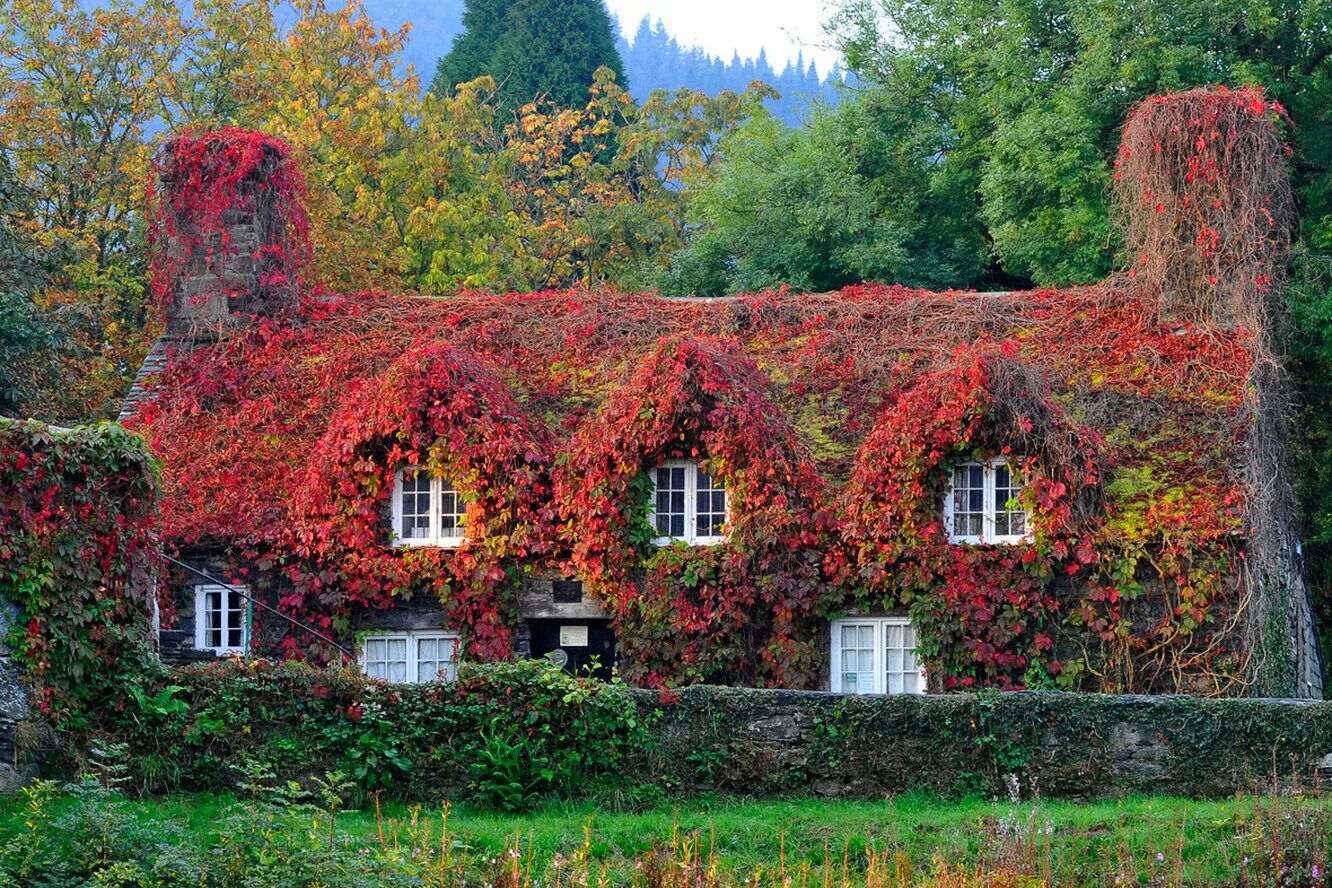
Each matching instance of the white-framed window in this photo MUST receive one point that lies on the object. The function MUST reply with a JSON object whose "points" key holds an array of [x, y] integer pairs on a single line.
{"points": [[982, 504], [688, 504], [221, 624], [427, 511], [410, 656], [875, 655]]}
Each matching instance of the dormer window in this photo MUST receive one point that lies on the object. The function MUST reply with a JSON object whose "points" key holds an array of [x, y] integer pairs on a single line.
{"points": [[982, 504], [427, 511], [688, 504]]}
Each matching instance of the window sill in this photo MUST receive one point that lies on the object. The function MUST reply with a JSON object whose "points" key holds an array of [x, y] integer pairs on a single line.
{"points": [[990, 541], [446, 543], [665, 542]]}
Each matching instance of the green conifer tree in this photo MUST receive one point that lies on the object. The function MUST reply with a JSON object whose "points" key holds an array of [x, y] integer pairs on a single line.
{"points": [[533, 48]]}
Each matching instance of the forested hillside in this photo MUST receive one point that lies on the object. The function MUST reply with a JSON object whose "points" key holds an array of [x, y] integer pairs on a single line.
{"points": [[653, 59], [656, 60]]}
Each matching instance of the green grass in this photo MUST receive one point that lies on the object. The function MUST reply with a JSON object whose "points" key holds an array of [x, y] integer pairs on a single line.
{"points": [[1206, 841]]}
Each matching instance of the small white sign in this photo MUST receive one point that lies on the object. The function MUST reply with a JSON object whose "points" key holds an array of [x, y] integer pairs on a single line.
{"points": [[573, 636]]}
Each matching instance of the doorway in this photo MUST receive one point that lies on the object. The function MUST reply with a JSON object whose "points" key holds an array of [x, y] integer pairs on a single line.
{"points": [[580, 647]]}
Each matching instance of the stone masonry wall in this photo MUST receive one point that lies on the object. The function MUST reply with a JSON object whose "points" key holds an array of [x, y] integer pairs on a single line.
{"points": [[1028, 744]]}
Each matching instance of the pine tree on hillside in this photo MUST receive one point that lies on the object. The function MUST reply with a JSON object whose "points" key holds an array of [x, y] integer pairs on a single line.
{"points": [[532, 48], [472, 50]]}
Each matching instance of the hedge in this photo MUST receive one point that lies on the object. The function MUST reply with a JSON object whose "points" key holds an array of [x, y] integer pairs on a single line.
{"points": [[512, 734]]}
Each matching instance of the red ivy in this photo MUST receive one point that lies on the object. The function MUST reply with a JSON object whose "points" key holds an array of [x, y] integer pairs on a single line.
{"points": [[78, 557], [984, 612], [739, 609], [830, 417], [443, 411], [204, 180]]}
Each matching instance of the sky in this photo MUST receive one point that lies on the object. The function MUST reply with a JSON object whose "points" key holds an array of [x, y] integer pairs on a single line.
{"points": [[721, 27]]}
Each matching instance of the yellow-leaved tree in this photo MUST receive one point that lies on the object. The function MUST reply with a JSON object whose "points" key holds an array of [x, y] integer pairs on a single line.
{"points": [[80, 91], [407, 191]]}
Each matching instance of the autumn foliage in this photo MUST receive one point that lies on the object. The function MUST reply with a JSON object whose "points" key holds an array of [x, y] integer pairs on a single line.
{"points": [[1203, 187], [832, 419], [202, 183], [79, 559]]}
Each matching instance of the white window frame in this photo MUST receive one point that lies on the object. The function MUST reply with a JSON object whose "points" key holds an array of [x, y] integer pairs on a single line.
{"points": [[988, 510], [435, 536], [201, 627], [880, 626], [413, 639], [691, 535]]}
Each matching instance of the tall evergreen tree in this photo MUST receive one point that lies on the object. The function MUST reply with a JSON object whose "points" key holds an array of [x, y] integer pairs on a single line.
{"points": [[472, 50], [532, 48]]}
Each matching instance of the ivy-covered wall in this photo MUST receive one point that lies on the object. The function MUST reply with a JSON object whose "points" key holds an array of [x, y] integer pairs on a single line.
{"points": [[79, 559], [1161, 554], [1027, 743]]}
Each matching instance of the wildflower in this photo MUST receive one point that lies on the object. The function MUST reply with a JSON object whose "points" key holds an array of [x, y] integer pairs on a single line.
{"points": [[1160, 857]]}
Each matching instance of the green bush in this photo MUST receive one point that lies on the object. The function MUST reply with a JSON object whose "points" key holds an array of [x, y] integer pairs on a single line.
{"points": [[507, 735], [511, 736]]}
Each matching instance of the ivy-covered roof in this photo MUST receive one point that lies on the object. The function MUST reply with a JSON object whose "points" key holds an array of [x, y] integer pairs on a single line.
{"points": [[238, 424], [833, 417]]}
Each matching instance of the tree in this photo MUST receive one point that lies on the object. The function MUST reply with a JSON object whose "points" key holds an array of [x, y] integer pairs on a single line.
{"points": [[80, 92], [533, 49], [859, 194], [25, 334], [470, 56], [1032, 94]]}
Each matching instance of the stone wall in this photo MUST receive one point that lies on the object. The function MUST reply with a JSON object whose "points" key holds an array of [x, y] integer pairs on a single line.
{"points": [[1026, 744], [15, 710]]}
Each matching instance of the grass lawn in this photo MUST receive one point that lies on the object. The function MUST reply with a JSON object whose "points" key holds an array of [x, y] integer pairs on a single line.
{"points": [[1159, 840]]}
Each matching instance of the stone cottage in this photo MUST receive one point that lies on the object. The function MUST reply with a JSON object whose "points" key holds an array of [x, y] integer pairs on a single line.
{"points": [[876, 490]]}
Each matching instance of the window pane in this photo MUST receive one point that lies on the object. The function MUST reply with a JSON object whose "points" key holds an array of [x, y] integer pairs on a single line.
{"points": [[434, 659], [968, 500], [452, 512], [1009, 517], [397, 659], [376, 654], [386, 657], [857, 666], [710, 503], [235, 622], [212, 617], [414, 523], [670, 501], [902, 670]]}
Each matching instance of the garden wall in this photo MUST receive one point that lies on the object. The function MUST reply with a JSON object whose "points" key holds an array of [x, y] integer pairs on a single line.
{"points": [[1035, 743], [511, 734]]}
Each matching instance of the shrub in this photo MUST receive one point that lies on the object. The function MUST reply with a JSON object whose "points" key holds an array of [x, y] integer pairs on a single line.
{"points": [[507, 734]]}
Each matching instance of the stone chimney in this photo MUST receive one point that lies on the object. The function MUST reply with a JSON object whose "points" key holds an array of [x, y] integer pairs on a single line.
{"points": [[228, 233], [1204, 199], [228, 238]]}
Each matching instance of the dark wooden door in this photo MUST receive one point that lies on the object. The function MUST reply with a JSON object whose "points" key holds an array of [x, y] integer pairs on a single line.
{"points": [[577, 645]]}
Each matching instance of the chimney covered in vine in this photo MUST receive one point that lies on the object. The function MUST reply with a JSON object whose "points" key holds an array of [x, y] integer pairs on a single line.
{"points": [[228, 232], [1204, 196]]}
